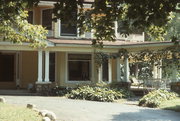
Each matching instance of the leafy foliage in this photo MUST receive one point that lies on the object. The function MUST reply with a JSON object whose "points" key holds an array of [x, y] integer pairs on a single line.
{"points": [[14, 26], [173, 28], [60, 91], [146, 15], [99, 17], [155, 98], [102, 94], [171, 55]]}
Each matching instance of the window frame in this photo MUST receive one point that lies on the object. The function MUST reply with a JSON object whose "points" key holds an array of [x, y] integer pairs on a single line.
{"points": [[55, 67], [42, 18], [90, 70], [67, 34], [33, 20]]}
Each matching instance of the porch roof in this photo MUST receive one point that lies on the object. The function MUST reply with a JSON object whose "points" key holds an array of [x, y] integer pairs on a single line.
{"points": [[117, 43]]}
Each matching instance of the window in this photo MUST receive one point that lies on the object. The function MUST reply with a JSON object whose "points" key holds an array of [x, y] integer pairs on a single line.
{"points": [[47, 19], [79, 67], [52, 67], [105, 70], [69, 28], [7, 67], [30, 17]]}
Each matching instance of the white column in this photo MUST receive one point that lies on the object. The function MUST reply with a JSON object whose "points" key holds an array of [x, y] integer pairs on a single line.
{"points": [[17, 70], [174, 73], [39, 66], [46, 66], [92, 70], [100, 74], [110, 70], [155, 73], [116, 27], [118, 70], [136, 70], [126, 69], [160, 70]]}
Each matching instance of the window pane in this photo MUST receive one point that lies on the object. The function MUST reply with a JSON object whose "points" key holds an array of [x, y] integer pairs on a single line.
{"points": [[105, 70], [79, 67], [47, 19], [52, 67], [69, 28], [30, 17], [79, 70]]}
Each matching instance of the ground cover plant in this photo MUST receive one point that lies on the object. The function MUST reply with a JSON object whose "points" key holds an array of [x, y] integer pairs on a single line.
{"points": [[156, 98], [17, 113], [97, 93]]}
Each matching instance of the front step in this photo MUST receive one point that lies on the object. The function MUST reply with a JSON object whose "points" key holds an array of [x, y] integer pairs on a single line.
{"points": [[17, 92]]}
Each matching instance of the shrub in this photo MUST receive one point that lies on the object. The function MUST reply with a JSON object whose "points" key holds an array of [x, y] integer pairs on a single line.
{"points": [[155, 98], [60, 91], [102, 94]]}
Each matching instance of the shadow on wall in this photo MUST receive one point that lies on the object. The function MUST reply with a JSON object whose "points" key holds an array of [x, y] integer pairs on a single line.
{"points": [[148, 115]]}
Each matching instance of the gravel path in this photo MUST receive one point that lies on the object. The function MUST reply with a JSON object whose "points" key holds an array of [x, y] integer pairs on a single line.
{"points": [[79, 110]]}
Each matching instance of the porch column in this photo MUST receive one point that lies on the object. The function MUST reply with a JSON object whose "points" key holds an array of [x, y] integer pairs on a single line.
{"points": [[46, 66], [110, 70], [17, 70], [100, 74], [126, 69], [118, 69], [136, 70], [39, 66], [174, 73], [116, 27], [155, 73], [160, 70]]}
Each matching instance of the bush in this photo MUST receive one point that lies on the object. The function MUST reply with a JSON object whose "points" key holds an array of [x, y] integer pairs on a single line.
{"points": [[102, 94], [155, 98], [60, 91]]}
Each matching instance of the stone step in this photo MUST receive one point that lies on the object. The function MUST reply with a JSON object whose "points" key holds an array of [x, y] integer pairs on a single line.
{"points": [[17, 92]]}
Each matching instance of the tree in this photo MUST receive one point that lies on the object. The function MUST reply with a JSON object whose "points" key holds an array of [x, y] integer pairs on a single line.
{"points": [[145, 15], [14, 26]]}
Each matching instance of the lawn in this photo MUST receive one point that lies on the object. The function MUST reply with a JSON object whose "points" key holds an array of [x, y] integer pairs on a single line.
{"points": [[17, 113], [171, 105]]}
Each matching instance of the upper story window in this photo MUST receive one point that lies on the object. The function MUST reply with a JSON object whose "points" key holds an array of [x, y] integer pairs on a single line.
{"points": [[69, 28], [30, 17], [47, 19]]}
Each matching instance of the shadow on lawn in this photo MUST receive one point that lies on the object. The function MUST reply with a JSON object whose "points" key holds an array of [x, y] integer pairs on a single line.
{"points": [[148, 115], [174, 108]]}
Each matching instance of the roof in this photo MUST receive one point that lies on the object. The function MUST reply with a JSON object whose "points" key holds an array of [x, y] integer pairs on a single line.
{"points": [[106, 43]]}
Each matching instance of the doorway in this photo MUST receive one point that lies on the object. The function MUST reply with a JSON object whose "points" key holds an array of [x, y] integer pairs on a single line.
{"points": [[7, 68]]}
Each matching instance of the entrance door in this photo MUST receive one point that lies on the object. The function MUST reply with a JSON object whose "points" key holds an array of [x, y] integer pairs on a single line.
{"points": [[7, 67]]}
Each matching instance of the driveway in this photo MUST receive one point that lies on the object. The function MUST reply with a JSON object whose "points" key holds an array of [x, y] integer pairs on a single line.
{"points": [[79, 110]]}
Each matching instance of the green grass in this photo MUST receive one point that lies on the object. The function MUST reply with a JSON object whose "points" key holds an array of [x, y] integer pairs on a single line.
{"points": [[171, 105], [17, 113]]}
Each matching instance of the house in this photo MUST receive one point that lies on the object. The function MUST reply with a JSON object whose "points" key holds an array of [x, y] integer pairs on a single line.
{"points": [[68, 59]]}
